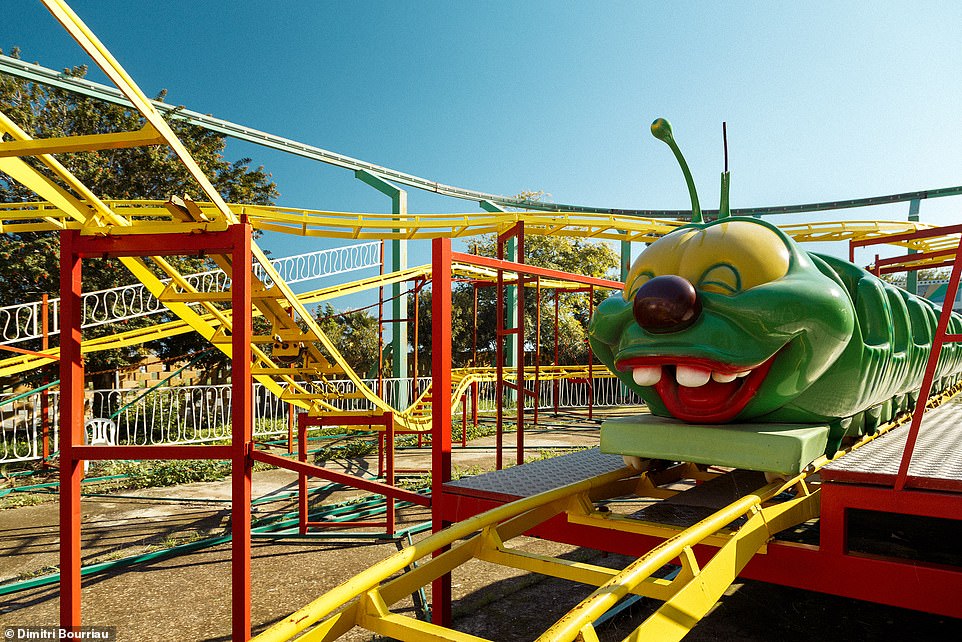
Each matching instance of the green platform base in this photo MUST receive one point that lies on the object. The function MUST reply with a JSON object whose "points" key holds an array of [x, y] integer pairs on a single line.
{"points": [[775, 448]]}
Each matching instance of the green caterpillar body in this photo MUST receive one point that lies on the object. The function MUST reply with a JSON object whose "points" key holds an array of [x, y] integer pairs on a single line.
{"points": [[731, 321]]}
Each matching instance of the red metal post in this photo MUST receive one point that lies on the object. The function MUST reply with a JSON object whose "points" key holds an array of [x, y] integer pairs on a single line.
{"points": [[499, 363], [441, 410], [537, 348], [520, 388], [389, 502], [591, 356], [557, 384], [45, 394], [242, 465], [71, 429], [301, 475]]}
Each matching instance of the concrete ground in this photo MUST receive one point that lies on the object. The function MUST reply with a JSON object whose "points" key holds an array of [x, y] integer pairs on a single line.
{"points": [[188, 597]]}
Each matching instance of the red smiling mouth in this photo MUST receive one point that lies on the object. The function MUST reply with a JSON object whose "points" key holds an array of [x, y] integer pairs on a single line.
{"points": [[698, 390]]}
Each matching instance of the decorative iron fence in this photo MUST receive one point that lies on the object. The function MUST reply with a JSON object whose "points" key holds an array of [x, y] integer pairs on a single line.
{"points": [[202, 414], [24, 321]]}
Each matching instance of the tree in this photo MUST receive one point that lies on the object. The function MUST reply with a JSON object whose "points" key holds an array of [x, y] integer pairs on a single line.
{"points": [[566, 254], [29, 262], [355, 334]]}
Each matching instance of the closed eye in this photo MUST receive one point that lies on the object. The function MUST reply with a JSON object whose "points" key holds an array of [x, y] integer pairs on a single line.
{"points": [[721, 278]]}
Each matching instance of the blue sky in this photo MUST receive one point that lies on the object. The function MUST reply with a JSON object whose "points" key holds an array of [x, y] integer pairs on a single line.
{"points": [[823, 100]]}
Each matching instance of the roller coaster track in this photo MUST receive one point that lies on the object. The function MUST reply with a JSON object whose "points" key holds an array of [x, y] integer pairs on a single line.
{"points": [[144, 216], [687, 598], [735, 532]]}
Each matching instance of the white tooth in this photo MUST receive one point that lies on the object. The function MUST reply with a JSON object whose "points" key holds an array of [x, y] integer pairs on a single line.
{"points": [[743, 373], [722, 378], [646, 376], [691, 377]]}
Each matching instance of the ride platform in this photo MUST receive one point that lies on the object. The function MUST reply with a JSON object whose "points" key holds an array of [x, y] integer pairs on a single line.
{"points": [[936, 462], [865, 540]]}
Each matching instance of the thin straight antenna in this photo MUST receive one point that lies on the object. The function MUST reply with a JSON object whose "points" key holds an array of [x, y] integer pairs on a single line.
{"points": [[725, 141], [724, 210]]}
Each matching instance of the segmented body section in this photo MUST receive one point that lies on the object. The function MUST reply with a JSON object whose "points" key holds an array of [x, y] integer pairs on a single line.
{"points": [[892, 341]]}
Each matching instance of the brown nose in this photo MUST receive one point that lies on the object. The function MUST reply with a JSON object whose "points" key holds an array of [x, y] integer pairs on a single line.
{"points": [[666, 304]]}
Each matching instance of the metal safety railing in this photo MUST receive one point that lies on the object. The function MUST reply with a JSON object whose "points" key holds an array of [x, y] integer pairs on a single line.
{"points": [[201, 414], [24, 321]]}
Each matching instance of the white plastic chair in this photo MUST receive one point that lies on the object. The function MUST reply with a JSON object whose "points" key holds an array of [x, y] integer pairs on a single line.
{"points": [[99, 432]]}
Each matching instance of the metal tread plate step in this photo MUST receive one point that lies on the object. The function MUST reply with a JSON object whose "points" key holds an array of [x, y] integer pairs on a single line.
{"points": [[936, 462], [536, 477]]}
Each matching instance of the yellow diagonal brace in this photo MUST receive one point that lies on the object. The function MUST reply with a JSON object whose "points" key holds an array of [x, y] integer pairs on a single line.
{"points": [[73, 207], [85, 143]]}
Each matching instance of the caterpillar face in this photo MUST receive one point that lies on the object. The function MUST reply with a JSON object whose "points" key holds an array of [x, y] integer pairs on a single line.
{"points": [[723, 321]]}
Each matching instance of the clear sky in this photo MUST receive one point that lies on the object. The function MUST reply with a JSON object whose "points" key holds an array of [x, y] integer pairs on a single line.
{"points": [[824, 100]]}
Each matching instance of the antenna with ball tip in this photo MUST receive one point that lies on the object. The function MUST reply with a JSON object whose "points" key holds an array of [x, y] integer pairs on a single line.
{"points": [[661, 129]]}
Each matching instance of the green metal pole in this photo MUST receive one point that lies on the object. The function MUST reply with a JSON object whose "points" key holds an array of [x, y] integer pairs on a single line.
{"points": [[625, 259], [912, 278], [399, 303]]}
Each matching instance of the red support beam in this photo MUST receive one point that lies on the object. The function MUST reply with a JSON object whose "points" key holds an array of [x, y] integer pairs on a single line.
{"points": [[389, 502], [519, 353], [242, 464], [74, 247], [301, 475], [905, 260], [340, 478], [499, 332], [441, 409], [155, 244], [532, 270], [163, 451], [71, 428], [908, 236]]}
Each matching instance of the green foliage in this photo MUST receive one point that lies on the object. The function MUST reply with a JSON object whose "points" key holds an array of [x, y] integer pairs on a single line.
{"points": [[355, 334], [29, 262], [899, 279], [349, 449], [149, 474]]}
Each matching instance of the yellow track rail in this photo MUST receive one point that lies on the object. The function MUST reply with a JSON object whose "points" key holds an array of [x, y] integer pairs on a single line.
{"points": [[154, 215]]}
